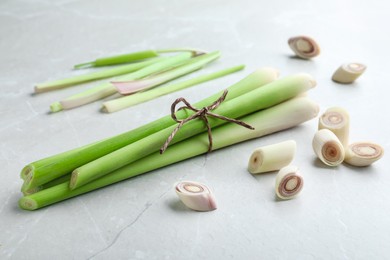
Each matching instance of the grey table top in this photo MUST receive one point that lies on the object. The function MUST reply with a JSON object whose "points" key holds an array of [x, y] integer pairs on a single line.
{"points": [[342, 213]]}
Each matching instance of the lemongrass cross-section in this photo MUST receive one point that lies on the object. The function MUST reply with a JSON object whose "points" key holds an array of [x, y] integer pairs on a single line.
{"points": [[196, 196], [328, 147], [363, 153], [289, 182], [336, 119], [348, 72], [304, 47]]}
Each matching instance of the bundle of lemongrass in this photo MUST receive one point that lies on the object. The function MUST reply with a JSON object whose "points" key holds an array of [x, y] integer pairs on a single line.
{"points": [[260, 100], [146, 70]]}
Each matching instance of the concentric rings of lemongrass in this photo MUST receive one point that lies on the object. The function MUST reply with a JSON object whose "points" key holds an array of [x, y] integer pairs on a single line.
{"points": [[288, 182], [272, 157], [336, 119], [348, 72], [328, 147], [363, 153], [196, 196], [304, 47]]}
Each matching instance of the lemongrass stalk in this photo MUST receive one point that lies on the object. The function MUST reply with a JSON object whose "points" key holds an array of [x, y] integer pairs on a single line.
{"points": [[194, 51], [195, 195], [328, 148], [118, 59], [289, 182], [363, 153], [304, 47], [107, 89], [137, 98], [336, 119], [261, 98], [129, 87], [52, 167], [348, 72], [62, 83], [277, 118], [52, 183], [272, 157]]}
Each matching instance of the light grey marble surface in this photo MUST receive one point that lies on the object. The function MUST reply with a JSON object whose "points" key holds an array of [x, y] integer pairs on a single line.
{"points": [[342, 213]]}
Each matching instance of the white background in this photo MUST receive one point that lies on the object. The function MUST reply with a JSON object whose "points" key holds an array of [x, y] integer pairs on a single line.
{"points": [[342, 213]]}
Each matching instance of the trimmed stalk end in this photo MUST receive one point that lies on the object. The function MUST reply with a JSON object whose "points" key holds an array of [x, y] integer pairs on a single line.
{"points": [[255, 162], [28, 203], [56, 107], [84, 65], [73, 180]]}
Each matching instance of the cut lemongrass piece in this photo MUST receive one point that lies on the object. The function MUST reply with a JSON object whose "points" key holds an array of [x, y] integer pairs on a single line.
{"points": [[129, 87], [288, 182], [277, 118], [137, 98], [363, 153], [196, 196], [272, 157], [107, 89], [194, 51], [304, 47], [118, 59], [336, 119], [54, 166], [62, 83], [348, 72], [328, 148]]}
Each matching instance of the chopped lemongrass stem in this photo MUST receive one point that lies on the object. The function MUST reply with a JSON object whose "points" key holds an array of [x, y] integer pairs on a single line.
{"points": [[277, 118], [52, 183], [137, 98], [52, 167], [348, 72], [261, 98], [62, 83], [363, 153], [196, 196], [129, 87], [107, 89], [336, 119], [304, 47], [194, 51], [272, 157], [289, 182], [328, 148], [118, 59]]}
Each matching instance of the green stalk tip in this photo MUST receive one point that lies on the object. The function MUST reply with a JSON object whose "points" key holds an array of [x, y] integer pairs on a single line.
{"points": [[55, 107]]}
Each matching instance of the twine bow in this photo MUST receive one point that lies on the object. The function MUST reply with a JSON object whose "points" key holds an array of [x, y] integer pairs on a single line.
{"points": [[202, 114]]}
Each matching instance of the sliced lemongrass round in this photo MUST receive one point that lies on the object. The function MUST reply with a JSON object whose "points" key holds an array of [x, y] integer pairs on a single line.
{"points": [[195, 195], [288, 182], [272, 157], [348, 72], [304, 47], [328, 147], [363, 153], [336, 119]]}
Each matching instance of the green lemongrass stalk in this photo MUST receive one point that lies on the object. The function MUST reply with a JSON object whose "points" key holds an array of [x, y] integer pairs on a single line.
{"points": [[118, 59], [107, 89], [277, 118], [52, 183], [62, 83], [194, 51], [137, 98], [261, 98], [50, 168], [129, 87]]}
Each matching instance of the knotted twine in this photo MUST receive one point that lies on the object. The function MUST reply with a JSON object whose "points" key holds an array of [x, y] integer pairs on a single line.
{"points": [[202, 114]]}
